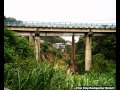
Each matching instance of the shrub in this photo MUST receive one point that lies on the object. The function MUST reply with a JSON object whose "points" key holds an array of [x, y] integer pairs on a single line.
{"points": [[33, 76], [23, 49], [16, 47], [99, 64], [81, 66], [29, 75], [9, 43]]}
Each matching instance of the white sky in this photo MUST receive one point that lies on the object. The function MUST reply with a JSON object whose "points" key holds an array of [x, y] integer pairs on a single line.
{"points": [[79, 11]]}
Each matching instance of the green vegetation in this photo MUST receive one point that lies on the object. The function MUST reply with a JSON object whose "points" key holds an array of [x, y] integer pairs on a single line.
{"points": [[53, 39], [105, 45], [16, 48], [11, 19], [22, 72], [101, 65], [103, 54], [29, 75]]}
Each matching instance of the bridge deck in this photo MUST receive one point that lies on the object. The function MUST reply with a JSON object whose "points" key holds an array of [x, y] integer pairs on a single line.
{"points": [[61, 27], [60, 24]]}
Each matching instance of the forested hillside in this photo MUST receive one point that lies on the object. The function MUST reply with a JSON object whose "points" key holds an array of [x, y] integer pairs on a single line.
{"points": [[53, 39]]}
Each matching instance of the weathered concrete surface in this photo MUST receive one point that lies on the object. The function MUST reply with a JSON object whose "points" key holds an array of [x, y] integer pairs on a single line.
{"points": [[49, 34], [31, 39], [60, 29], [88, 52], [73, 48], [37, 48]]}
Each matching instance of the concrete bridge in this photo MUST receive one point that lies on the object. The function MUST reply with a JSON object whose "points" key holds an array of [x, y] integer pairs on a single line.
{"points": [[36, 29]]}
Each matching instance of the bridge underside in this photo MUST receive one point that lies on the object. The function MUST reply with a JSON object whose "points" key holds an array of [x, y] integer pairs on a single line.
{"points": [[57, 34], [36, 41], [63, 31]]}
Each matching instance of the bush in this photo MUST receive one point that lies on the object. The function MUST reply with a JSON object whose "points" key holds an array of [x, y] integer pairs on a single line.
{"points": [[29, 75], [81, 66], [23, 49], [16, 47], [96, 79], [99, 64], [9, 43]]}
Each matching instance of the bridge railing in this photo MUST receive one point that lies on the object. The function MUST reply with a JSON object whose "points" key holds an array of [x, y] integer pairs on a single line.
{"points": [[62, 24]]}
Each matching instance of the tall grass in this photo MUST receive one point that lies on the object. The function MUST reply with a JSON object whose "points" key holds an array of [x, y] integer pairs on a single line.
{"points": [[29, 75]]}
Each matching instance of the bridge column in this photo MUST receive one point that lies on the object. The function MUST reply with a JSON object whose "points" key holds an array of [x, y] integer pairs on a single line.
{"points": [[73, 48], [72, 61], [31, 39], [88, 52], [37, 46]]}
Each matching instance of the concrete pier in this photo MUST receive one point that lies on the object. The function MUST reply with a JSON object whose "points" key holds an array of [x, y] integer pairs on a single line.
{"points": [[73, 48], [37, 48], [31, 39], [72, 61], [88, 52], [37, 45]]}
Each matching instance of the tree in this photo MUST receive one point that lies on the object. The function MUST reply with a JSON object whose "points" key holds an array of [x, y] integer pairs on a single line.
{"points": [[11, 20], [105, 45], [16, 47], [53, 39]]}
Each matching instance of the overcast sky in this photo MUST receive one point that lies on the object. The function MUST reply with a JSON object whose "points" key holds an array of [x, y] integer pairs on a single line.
{"points": [[79, 11]]}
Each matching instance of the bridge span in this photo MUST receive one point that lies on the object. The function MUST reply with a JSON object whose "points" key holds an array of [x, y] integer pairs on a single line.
{"points": [[35, 30]]}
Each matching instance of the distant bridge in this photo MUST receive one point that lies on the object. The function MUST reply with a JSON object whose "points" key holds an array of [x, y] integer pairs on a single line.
{"points": [[36, 29]]}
